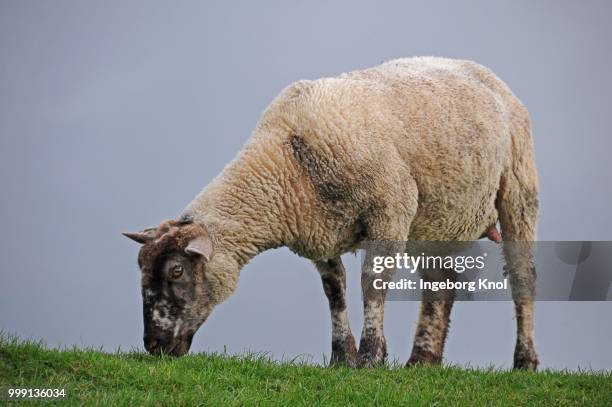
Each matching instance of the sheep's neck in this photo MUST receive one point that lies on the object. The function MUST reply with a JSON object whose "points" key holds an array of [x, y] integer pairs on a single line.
{"points": [[246, 204]]}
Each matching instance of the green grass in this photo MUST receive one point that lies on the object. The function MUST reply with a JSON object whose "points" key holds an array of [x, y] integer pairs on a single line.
{"points": [[133, 378]]}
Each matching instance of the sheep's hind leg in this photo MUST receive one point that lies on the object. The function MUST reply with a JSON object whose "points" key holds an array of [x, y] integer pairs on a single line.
{"points": [[521, 272], [333, 277], [434, 320], [518, 210]]}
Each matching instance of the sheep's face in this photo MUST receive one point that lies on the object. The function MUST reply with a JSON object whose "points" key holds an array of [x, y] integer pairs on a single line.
{"points": [[175, 304], [176, 295]]}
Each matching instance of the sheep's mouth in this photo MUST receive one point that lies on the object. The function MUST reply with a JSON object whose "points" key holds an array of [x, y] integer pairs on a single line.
{"points": [[181, 347], [177, 347]]}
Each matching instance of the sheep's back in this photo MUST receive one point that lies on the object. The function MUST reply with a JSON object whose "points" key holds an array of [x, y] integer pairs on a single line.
{"points": [[448, 123]]}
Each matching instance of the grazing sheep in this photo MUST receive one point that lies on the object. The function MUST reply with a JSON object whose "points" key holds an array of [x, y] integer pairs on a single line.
{"points": [[413, 149]]}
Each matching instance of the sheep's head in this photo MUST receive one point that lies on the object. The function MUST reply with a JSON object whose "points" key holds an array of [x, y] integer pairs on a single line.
{"points": [[176, 291]]}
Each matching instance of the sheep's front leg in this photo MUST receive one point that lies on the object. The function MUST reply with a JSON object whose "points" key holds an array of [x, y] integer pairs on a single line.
{"points": [[373, 344], [333, 277]]}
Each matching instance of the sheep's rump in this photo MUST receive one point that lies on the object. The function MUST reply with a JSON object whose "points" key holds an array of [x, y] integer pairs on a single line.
{"points": [[446, 126]]}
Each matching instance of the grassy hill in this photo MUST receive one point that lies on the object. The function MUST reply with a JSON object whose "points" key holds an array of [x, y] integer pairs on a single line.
{"points": [[92, 377]]}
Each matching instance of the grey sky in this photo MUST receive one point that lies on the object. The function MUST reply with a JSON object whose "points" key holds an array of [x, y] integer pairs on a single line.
{"points": [[113, 115]]}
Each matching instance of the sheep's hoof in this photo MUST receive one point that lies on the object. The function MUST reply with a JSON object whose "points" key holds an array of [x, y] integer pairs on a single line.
{"points": [[420, 357], [525, 359], [344, 352], [372, 352]]}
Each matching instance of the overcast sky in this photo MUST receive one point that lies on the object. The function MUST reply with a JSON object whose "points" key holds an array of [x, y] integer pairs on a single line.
{"points": [[113, 115]]}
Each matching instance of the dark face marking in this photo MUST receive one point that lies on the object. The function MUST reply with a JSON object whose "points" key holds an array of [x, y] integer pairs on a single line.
{"points": [[170, 298]]}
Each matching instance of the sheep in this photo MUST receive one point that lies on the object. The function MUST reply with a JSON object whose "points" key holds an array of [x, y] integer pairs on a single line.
{"points": [[415, 149]]}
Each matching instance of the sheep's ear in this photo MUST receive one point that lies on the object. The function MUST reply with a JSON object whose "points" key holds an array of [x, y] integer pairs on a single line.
{"points": [[200, 246], [141, 237]]}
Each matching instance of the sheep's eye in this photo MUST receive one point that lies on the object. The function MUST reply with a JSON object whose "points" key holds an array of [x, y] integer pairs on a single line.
{"points": [[175, 272]]}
